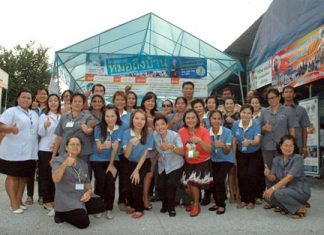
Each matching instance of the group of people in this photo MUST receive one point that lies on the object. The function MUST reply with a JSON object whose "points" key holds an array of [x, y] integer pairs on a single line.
{"points": [[196, 148]]}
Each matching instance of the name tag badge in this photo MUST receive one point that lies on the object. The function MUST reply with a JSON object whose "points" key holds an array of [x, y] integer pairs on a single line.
{"points": [[190, 154], [32, 131], [69, 124], [79, 186]]}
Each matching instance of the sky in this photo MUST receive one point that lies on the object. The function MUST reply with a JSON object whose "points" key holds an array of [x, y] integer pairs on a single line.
{"points": [[61, 23]]}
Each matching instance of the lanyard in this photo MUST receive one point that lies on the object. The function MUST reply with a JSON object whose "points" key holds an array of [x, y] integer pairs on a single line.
{"points": [[78, 173], [28, 114]]}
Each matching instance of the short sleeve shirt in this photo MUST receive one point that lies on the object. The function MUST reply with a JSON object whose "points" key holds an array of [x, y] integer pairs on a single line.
{"points": [[139, 149], [69, 126], [250, 133], [217, 154], [293, 166], [67, 198], [24, 145], [115, 135], [302, 122], [169, 160], [185, 137], [281, 122]]}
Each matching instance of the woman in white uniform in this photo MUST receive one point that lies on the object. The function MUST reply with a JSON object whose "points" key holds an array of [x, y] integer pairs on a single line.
{"points": [[18, 149]]}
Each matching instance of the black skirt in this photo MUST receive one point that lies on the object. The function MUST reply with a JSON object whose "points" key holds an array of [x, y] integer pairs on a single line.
{"points": [[18, 168], [199, 175]]}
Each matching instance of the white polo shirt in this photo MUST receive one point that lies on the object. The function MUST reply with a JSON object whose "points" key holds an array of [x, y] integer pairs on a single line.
{"points": [[47, 135], [24, 145]]}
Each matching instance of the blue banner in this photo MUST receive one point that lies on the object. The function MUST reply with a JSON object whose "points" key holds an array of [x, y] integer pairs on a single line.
{"points": [[146, 65]]}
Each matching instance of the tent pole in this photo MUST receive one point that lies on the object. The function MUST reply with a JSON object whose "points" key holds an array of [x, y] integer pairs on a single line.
{"points": [[241, 87]]}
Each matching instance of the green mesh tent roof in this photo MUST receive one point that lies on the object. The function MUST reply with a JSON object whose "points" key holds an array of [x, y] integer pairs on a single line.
{"points": [[146, 35]]}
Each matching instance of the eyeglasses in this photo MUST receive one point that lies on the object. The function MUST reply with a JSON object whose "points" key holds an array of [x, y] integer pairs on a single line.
{"points": [[75, 145], [166, 105]]}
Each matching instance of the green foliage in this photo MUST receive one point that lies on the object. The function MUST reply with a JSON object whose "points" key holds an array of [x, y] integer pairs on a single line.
{"points": [[28, 67]]}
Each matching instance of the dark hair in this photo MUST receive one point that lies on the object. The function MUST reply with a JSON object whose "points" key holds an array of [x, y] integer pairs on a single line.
{"points": [[186, 113], [132, 92], [247, 106], [211, 97], [149, 95], [211, 113], [22, 91], [59, 104], [197, 101], [283, 139], [188, 83], [144, 131], [79, 94], [103, 124], [98, 85], [102, 99], [168, 101], [227, 89], [119, 93], [71, 137], [66, 91], [42, 89], [181, 98], [160, 117], [272, 90], [289, 88]]}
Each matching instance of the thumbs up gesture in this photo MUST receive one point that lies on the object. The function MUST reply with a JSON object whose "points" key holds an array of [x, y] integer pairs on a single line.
{"points": [[14, 129], [47, 123], [106, 144], [84, 126]]}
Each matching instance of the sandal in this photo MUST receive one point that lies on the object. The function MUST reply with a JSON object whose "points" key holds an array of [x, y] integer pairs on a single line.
{"points": [[277, 209], [297, 215], [29, 201], [268, 206], [241, 205]]}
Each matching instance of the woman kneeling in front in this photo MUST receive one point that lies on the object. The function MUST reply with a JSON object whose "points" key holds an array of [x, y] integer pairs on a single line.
{"points": [[290, 191], [73, 188]]}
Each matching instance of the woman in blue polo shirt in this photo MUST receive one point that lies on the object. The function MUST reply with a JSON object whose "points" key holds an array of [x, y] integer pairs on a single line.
{"points": [[222, 158], [136, 143], [247, 135], [108, 135]]}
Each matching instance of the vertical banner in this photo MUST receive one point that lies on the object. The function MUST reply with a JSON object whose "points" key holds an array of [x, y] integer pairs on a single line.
{"points": [[301, 62], [312, 161]]}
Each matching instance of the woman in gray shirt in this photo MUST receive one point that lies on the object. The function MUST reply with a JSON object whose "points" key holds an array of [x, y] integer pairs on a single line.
{"points": [[72, 186], [290, 191]]}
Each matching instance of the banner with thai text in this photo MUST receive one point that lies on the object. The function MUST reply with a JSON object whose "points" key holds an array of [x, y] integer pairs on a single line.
{"points": [[261, 75], [163, 75]]}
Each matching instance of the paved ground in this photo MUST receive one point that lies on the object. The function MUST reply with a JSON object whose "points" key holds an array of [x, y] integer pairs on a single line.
{"points": [[234, 221]]}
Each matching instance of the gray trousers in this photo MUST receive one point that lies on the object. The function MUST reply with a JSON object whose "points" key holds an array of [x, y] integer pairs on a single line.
{"points": [[268, 156], [289, 199]]}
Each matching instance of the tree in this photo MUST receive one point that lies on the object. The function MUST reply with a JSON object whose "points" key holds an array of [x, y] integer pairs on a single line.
{"points": [[28, 67]]}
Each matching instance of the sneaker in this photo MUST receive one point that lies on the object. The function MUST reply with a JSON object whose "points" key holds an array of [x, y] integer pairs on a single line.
{"points": [[98, 215], [109, 215], [51, 213]]}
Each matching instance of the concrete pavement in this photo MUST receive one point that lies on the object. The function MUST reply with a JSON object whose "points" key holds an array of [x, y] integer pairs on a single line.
{"points": [[234, 221]]}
